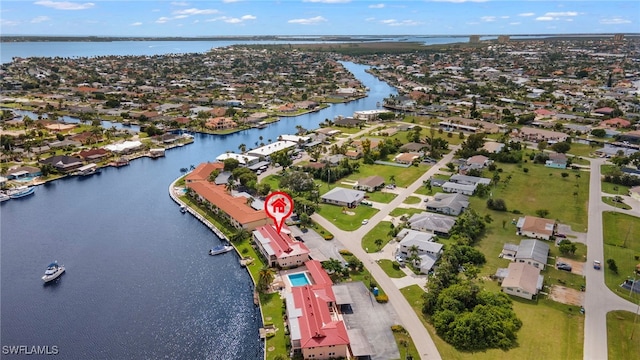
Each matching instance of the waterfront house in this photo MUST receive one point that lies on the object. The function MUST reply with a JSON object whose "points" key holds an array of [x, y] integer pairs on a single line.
{"points": [[522, 280], [343, 197], [203, 171], [243, 159], [370, 184], [435, 223], [278, 248], [23, 172], [557, 161], [316, 328], [240, 214], [533, 252], [94, 154], [221, 123], [535, 227], [63, 163], [449, 204]]}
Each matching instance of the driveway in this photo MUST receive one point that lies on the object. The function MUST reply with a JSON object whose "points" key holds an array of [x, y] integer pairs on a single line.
{"points": [[320, 248]]}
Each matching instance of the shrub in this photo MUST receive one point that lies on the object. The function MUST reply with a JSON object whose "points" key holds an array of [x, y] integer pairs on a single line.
{"points": [[516, 211], [397, 329], [526, 170], [382, 298], [328, 237], [345, 252]]}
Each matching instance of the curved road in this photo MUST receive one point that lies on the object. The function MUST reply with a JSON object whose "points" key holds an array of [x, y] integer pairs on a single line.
{"points": [[598, 300], [351, 240]]}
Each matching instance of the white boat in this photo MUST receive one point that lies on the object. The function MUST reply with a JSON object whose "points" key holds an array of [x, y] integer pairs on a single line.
{"points": [[183, 209], [53, 272], [21, 191], [220, 249], [4, 197]]}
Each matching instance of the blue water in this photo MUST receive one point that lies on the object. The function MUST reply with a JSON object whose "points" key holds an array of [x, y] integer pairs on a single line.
{"points": [[298, 279], [139, 282]]}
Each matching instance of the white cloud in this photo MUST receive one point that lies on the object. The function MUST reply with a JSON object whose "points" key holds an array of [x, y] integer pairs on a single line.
{"points": [[376, 6], [248, 17], [180, 3], [137, 23], [328, 1], [460, 1], [560, 14], [5, 22], [39, 19], [233, 20], [180, 16], [488, 18], [615, 21], [527, 14], [195, 11], [308, 21], [162, 20], [514, 23], [504, 17], [394, 22], [545, 18], [65, 5]]}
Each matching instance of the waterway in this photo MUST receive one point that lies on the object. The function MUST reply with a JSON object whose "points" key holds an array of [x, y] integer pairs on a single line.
{"points": [[139, 283]]}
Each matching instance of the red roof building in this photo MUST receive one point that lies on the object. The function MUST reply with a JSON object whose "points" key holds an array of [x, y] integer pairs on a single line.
{"points": [[278, 248], [604, 111], [202, 172], [316, 330], [616, 123]]}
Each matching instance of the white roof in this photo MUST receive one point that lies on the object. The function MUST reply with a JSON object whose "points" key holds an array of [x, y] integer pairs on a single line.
{"points": [[127, 145], [242, 158], [271, 148], [294, 138]]}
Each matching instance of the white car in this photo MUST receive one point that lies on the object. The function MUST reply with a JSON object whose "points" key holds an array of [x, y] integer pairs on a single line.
{"points": [[365, 221]]}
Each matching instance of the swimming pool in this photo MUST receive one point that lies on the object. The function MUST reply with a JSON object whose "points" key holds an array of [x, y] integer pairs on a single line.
{"points": [[298, 279]]}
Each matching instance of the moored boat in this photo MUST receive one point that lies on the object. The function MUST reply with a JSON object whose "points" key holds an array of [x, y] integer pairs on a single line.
{"points": [[53, 272], [4, 197], [220, 249], [21, 192]]}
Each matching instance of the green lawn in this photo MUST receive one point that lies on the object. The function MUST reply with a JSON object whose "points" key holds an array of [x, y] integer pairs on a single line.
{"points": [[609, 201], [363, 275], [272, 310], [392, 268], [273, 180], [344, 221], [405, 211], [412, 200], [581, 150], [550, 331], [405, 345], [622, 244], [621, 327], [382, 197], [403, 176], [608, 169], [380, 231], [614, 189]]}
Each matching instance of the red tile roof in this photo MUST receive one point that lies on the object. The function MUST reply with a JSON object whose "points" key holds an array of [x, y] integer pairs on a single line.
{"points": [[236, 207], [618, 122], [317, 328], [319, 275], [281, 243], [202, 172]]}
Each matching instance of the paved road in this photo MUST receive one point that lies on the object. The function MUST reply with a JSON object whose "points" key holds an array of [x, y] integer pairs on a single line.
{"points": [[352, 242], [599, 300]]}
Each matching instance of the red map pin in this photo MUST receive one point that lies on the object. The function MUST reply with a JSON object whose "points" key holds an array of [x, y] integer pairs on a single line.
{"points": [[278, 206]]}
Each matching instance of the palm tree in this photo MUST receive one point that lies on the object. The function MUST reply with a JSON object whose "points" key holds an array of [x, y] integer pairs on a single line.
{"points": [[414, 258], [242, 148], [379, 243], [265, 278]]}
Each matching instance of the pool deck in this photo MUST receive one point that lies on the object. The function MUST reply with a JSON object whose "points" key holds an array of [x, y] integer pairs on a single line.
{"points": [[282, 284]]}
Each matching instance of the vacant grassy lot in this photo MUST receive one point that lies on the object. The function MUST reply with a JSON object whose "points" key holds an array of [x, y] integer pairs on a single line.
{"points": [[622, 244], [344, 220], [614, 189], [380, 231], [412, 200], [382, 197], [403, 176], [581, 150], [609, 201], [620, 326], [392, 268], [549, 331], [405, 211]]}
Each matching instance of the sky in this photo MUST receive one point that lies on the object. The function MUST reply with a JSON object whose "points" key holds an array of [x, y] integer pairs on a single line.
{"points": [[316, 17]]}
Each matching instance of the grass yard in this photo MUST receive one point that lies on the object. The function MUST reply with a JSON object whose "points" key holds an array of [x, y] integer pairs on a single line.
{"points": [[272, 310], [403, 176], [412, 200], [609, 201], [381, 197], [344, 221], [363, 275], [549, 331], [621, 325], [380, 231], [581, 150], [273, 180], [621, 243], [349, 130], [405, 345], [405, 211], [614, 189], [392, 268]]}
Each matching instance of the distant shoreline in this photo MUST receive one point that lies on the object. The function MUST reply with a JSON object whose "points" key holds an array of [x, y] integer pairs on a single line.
{"points": [[341, 38]]}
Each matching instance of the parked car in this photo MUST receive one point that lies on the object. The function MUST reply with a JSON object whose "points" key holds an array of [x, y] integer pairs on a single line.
{"points": [[365, 221], [563, 236], [563, 266], [596, 264], [298, 238]]}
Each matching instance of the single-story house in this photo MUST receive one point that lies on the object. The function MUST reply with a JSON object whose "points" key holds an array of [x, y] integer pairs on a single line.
{"points": [[450, 204], [493, 147], [533, 252], [535, 227], [343, 197], [469, 180], [557, 161], [537, 135], [427, 250], [370, 184], [406, 158], [522, 280], [23, 172], [452, 187], [93, 154], [413, 147], [63, 163], [616, 123], [477, 162], [435, 223]]}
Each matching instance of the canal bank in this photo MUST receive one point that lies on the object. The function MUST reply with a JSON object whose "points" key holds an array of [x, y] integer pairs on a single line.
{"points": [[139, 280]]}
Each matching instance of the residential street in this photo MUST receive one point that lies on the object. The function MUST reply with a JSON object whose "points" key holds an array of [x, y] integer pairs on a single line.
{"points": [[352, 242], [599, 300]]}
